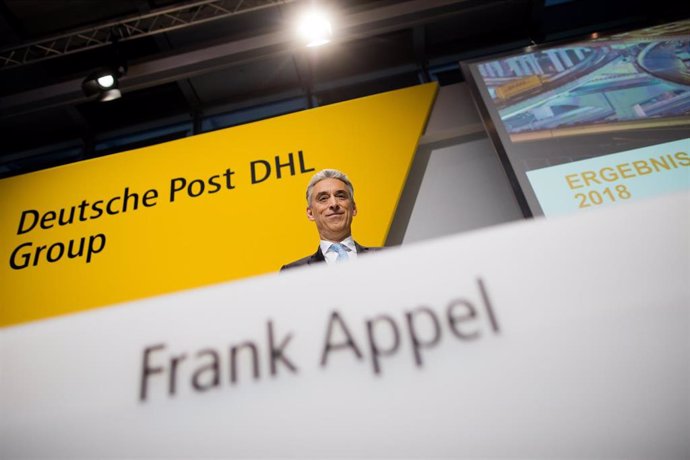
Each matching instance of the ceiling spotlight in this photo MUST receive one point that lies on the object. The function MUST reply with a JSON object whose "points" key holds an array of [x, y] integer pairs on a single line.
{"points": [[106, 81], [314, 28], [103, 83]]}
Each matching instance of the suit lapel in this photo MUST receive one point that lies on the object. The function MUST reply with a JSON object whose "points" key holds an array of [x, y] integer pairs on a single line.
{"points": [[317, 257], [360, 249]]}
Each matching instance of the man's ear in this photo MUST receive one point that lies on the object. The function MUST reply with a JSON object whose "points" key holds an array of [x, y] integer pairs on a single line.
{"points": [[310, 215], [354, 209]]}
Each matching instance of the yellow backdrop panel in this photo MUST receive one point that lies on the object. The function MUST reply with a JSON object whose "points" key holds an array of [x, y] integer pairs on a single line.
{"points": [[201, 210]]}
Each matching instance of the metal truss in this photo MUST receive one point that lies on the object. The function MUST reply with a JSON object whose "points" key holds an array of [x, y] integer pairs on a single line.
{"points": [[157, 22], [189, 63]]}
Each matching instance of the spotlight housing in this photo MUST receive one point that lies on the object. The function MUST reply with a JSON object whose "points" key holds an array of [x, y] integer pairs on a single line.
{"points": [[103, 84]]}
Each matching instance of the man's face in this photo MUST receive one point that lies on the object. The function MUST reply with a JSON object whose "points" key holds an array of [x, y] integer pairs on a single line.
{"points": [[332, 209]]}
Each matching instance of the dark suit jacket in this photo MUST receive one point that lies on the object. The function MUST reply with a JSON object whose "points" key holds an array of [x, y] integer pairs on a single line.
{"points": [[318, 257]]}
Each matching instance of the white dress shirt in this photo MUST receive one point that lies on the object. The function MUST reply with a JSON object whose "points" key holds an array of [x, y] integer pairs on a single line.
{"points": [[330, 256]]}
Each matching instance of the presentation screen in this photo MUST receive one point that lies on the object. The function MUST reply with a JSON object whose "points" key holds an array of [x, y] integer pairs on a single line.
{"points": [[590, 123]]}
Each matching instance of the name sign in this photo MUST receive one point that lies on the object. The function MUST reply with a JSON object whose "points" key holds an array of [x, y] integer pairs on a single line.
{"points": [[555, 338]]}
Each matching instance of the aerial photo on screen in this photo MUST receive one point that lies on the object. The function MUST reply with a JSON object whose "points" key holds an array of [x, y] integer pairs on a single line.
{"points": [[623, 82]]}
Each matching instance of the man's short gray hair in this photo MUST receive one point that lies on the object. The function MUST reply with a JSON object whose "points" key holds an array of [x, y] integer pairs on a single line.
{"points": [[329, 174]]}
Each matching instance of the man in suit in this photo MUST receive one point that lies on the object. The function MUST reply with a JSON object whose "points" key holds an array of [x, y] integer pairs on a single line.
{"points": [[331, 206]]}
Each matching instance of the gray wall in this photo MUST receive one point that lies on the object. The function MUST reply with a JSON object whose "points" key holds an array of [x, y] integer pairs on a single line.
{"points": [[456, 183]]}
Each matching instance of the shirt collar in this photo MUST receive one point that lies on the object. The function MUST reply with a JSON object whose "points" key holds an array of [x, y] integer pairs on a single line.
{"points": [[348, 242]]}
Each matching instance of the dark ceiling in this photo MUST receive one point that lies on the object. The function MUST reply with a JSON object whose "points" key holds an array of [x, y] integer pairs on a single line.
{"points": [[241, 63]]}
